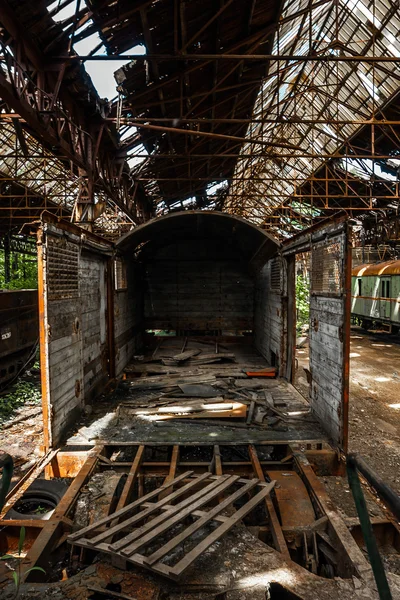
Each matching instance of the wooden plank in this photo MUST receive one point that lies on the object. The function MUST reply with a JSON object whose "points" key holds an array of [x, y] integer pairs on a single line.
{"points": [[218, 460], [130, 481], [146, 513], [54, 527], [186, 533], [163, 517], [251, 412], [276, 530], [183, 564], [172, 471], [185, 355], [182, 514], [125, 510]]}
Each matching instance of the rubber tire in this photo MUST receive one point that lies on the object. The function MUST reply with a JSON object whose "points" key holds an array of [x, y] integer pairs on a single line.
{"points": [[45, 489]]}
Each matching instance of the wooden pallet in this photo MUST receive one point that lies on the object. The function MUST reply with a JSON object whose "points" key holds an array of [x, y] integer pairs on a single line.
{"points": [[148, 542]]}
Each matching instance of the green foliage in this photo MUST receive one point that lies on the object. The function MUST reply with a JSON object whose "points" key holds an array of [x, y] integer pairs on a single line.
{"points": [[17, 575], [22, 269], [21, 393], [302, 301]]}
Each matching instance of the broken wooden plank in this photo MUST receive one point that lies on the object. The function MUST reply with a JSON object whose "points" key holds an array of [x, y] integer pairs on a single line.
{"points": [[251, 412], [109, 533], [170, 381], [229, 410], [183, 356], [151, 369], [153, 529], [124, 511], [185, 562], [276, 530], [205, 359], [197, 390], [201, 522]]}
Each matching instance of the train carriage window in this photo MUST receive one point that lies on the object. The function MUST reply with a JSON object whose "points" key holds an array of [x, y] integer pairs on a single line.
{"points": [[359, 284], [120, 274], [385, 288]]}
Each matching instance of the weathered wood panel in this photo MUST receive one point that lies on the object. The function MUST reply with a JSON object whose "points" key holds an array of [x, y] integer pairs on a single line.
{"points": [[329, 330], [74, 328], [268, 314], [128, 317], [198, 285]]}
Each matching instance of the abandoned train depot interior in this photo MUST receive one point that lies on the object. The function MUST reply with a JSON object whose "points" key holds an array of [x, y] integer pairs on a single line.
{"points": [[200, 299]]}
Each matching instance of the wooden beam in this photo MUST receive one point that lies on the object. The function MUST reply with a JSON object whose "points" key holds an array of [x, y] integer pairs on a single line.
{"points": [[276, 530], [130, 481], [172, 471]]}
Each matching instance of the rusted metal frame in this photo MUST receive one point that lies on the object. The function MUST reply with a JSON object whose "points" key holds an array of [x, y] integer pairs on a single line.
{"points": [[358, 565], [269, 156], [215, 87], [282, 72], [276, 530], [319, 180], [215, 79], [346, 338], [38, 554], [149, 46], [206, 25], [237, 57], [184, 98], [46, 132], [219, 136], [43, 339], [368, 45], [131, 121], [149, 465], [19, 34]]}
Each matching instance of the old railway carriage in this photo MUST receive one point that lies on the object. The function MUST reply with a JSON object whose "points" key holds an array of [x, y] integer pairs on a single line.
{"points": [[376, 294]]}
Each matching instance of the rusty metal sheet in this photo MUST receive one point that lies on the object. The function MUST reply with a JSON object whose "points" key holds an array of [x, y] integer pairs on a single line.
{"points": [[294, 503]]}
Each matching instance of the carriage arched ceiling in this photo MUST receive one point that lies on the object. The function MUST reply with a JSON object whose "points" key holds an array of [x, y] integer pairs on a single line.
{"points": [[255, 244]]}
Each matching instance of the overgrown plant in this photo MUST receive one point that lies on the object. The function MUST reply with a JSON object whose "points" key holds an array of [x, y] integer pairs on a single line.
{"points": [[302, 302], [18, 575], [18, 271]]}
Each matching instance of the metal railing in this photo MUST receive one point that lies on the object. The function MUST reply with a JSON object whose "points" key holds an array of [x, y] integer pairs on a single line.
{"points": [[356, 464]]}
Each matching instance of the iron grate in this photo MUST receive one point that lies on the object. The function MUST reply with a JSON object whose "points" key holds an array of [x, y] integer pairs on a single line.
{"points": [[62, 269], [326, 267]]}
